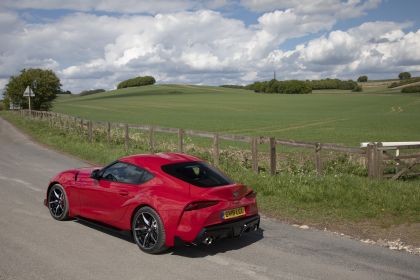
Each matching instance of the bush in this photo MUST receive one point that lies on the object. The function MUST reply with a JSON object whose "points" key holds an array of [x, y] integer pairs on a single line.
{"points": [[357, 89], [137, 82], [362, 79], [333, 84], [411, 89], [298, 87], [294, 87], [404, 82], [64, 92], [284, 87], [404, 75], [93, 91], [1, 106], [234, 86]]}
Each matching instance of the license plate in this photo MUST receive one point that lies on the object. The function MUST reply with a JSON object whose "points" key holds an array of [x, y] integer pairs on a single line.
{"points": [[233, 213]]}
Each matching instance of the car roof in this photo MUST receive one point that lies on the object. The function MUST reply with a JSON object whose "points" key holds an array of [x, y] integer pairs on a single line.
{"points": [[158, 160]]}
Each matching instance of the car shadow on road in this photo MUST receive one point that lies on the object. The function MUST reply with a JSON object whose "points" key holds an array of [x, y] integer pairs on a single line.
{"points": [[190, 251], [220, 246], [124, 235]]}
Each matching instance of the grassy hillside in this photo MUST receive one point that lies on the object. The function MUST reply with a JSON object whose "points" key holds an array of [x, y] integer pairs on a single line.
{"points": [[377, 114]]}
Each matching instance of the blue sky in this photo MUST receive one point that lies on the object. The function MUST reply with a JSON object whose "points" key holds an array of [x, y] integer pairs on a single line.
{"points": [[97, 43]]}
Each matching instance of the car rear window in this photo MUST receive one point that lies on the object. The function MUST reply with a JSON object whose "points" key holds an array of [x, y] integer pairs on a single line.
{"points": [[199, 174]]}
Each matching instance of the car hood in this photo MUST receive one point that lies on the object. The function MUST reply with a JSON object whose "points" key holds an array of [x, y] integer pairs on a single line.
{"points": [[86, 171]]}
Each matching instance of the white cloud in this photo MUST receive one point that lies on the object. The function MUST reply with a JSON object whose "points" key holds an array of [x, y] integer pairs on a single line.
{"points": [[130, 6], [338, 48], [336, 8], [201, 46], [380, 48], [127, 7]]}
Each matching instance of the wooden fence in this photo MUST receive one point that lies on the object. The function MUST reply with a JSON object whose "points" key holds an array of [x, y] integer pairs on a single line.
{"points": [[375, 154]]}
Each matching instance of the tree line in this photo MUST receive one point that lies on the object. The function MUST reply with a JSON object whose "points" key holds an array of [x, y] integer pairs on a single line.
{"points": [[301, 87], [137, 82]]}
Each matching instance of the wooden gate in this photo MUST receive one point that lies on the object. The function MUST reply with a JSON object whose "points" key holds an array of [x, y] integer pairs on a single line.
{"points": [[403, 156]]}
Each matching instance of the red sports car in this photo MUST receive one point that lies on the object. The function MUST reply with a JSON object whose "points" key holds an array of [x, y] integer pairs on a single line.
{"points": [[158, 198]]}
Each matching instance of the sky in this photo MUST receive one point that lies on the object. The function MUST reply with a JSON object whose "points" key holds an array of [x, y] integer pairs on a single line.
{"points": [[94, 44]]}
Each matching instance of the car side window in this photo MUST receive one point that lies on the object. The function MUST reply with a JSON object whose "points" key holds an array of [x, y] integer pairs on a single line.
{"points": [[126, 173]]}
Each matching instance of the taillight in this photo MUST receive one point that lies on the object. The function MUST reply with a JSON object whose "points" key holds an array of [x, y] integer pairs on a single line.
{"points": [[199, 205], [251, 194]]}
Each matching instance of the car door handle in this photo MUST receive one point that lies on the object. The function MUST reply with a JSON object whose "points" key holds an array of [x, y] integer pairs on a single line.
{"points": [[124, 193]]}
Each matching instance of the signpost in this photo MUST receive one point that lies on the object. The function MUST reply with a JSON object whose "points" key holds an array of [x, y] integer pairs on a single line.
{"points": [[29, 93]]}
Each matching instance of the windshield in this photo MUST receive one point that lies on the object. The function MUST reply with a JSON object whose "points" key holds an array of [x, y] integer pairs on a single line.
{"points": [[199, 174]]}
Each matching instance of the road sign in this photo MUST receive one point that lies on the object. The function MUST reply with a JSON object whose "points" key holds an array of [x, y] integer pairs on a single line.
{"points": [[28, 92]]}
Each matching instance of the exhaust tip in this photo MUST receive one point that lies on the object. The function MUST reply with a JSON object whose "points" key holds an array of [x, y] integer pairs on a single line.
{"points": [[208, 240]]}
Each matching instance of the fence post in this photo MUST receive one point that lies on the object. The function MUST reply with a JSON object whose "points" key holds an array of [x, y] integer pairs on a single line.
{"points": [[152, 139], [180, 140], [379, 160], [370, 153], [216, 149], [273, 164], [254, 152], [108, 132], [318, 163], [90, 131], [66, 122], [60, 119], [127, 138]]}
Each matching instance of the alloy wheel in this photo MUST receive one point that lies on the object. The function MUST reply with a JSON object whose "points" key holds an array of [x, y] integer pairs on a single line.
{"points": [[146, 230], [56, 202]]}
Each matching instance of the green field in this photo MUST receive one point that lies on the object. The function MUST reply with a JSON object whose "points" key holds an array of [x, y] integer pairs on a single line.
{"points": [[333, 116]]}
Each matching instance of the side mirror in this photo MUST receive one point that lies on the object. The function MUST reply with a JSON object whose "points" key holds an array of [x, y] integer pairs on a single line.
{"points": [[95, 174]]}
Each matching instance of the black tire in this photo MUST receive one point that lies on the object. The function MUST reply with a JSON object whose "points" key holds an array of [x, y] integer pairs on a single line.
{"points": [[58, 203], [148, 231]]}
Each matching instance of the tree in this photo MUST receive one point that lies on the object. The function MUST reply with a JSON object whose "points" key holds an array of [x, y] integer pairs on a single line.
{"points": [[362, 79], [137, 82], [47, 87], [357, 89], [404, 75]]}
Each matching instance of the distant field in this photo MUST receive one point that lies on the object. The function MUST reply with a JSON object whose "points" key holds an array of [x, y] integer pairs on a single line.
{"points": [[334, 116]]}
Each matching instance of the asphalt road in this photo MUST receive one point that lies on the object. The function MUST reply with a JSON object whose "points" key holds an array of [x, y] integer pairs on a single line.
{"points": [[34, 246]]}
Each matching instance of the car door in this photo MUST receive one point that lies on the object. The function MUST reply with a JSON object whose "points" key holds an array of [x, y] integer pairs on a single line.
{"points": [[106, 199]]}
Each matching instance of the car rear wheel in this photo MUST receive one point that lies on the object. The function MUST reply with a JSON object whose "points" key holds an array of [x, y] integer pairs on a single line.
{"points": [[58, 203], [148, 231]]}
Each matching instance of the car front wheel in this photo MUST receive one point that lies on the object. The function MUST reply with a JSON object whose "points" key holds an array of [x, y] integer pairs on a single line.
{"points": [[148, 231], [58, 203]]}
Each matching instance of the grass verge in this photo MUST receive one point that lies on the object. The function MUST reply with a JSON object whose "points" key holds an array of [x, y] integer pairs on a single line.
{"points": [[322, 201]]}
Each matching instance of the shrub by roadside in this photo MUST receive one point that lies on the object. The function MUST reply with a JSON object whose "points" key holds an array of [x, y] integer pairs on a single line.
{"points": [[404, 82], [411, 89]]}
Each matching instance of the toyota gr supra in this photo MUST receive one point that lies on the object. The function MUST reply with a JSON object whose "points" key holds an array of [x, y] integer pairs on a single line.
{"points": [[159, 198]]}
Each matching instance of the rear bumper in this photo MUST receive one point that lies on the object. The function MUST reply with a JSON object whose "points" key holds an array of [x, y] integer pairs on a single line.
{"points": [[229, 229]]}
